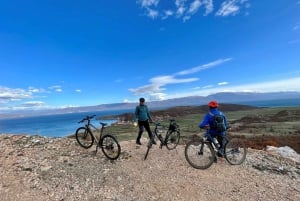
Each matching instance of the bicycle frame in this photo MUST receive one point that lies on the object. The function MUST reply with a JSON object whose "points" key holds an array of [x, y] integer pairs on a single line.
{"points": [[168, 130], [209, 139], [89, 125]]}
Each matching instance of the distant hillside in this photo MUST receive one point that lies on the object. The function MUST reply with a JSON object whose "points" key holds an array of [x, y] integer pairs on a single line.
{"points": [[254, 99], [181, 111]]}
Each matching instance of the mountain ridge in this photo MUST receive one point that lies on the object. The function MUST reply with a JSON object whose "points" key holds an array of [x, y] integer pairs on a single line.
{"points": [[223, 97]]}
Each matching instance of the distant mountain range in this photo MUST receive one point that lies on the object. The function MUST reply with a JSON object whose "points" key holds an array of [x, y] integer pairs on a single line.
{"points": [[225, 97]]}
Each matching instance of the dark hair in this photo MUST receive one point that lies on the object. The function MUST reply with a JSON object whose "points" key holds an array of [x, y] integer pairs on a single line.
{"points": [[142, 100]]}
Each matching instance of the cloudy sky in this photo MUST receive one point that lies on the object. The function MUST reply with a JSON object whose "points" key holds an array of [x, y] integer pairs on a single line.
{"points": [[61, 53]]}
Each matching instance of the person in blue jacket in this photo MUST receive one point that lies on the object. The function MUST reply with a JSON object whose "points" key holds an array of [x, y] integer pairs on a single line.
{"points": [[143, 117], [208, 123]]}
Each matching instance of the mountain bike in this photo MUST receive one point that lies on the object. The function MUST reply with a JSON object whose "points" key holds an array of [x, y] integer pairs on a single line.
{"points": [[86, 137], [171, 138], [201, 153]]}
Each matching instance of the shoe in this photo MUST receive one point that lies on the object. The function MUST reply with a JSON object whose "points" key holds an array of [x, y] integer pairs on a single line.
{"points": [[153, 142], [138, 143], [220, 153]]}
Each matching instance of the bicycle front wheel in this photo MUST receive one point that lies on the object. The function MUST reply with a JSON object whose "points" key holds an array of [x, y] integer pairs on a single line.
{"points": [[84, 137], [199, 154], [235, 151], [172, 139], [110, 147]]}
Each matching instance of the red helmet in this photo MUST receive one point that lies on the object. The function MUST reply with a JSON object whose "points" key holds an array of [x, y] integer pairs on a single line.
{"points": [[213, 104]]}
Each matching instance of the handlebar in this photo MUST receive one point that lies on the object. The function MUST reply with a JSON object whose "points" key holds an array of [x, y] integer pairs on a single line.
{"points": [[87, 118]]}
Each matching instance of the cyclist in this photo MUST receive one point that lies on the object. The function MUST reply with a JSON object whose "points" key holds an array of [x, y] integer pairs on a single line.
{"points": [[143, 117], [208, 122]]}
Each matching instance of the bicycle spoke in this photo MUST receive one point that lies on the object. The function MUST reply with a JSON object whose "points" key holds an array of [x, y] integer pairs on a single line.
{"points": [[110, 147], [235, 151], [84, 137], [197, 157], [172, 139]]}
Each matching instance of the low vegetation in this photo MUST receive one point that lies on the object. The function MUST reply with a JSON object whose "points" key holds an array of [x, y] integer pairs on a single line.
{"points": [[258, 126]]}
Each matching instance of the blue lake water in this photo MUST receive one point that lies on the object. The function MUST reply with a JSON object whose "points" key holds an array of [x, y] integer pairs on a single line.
{"points": [[52, 125]]}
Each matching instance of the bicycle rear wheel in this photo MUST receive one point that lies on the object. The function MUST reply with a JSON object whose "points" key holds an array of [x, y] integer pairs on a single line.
{"points": [[110, 147], [84, 137], [199, 154], [235, 151], [172, 139]]}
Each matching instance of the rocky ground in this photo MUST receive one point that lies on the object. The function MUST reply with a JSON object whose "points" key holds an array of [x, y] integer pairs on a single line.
{"points": [[37, 168]]}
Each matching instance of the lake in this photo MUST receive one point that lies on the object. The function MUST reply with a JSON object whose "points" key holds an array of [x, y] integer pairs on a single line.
{"points": [[59, 125]]}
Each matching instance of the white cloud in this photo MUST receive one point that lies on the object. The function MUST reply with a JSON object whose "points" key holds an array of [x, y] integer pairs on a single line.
{"points": [[56, 88], [147, 3], [9, 94], [152, 13], [203, 67], [208, 86], [78, 90], [31, 104], [222, 83], [194, 6], [228, 7], [185, 9], [167, 13], [284, 85], [158, 83]]}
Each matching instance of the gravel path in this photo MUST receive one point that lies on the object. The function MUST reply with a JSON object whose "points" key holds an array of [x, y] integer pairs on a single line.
{"points": [[37, 168]]}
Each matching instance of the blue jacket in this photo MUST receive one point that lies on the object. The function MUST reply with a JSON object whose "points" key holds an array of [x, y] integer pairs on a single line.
{"points": [[142, 113], [208, 121]]}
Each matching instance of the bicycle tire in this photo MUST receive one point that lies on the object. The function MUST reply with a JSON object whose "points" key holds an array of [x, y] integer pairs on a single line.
{"points": [[84, 137], [172, 139], [110, 147], [199, 160], [235, 151]]}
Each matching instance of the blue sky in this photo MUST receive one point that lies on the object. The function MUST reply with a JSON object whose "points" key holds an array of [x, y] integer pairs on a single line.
{"points": [[62, 53]]}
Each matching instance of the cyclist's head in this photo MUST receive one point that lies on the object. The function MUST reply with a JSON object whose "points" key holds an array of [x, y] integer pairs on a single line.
{"points": [[142, 100], [213, 104]]}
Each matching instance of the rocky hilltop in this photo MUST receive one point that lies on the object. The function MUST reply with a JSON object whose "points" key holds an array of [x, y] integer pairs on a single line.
{"points": [[39, 168]]}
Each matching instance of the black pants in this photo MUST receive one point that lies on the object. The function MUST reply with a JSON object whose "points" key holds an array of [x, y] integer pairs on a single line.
{"points": [[142, 125]]}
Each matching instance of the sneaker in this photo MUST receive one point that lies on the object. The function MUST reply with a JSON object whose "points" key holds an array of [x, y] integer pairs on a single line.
{"points": [[220, 153], [139, 143]]}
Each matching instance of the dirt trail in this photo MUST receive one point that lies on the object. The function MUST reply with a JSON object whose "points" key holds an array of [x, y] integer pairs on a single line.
{"points": [[36, 168]]}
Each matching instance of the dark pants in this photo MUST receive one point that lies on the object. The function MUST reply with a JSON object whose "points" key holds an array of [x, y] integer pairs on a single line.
{"points": [[142, 125], [220, 138]]}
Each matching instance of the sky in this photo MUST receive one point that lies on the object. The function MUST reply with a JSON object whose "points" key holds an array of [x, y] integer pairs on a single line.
{"points": [[63, 53]]}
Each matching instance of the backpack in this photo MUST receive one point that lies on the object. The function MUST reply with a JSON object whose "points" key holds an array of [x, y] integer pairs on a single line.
{"points": [[218, 122]]}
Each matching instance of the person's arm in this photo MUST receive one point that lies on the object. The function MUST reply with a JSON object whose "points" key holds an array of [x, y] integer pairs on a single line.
{"points": [[205, 122], [136, 113]]}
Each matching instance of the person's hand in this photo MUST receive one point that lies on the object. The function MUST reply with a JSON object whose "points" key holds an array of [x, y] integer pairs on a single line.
{"points": [[205, 127], [135, 124]]}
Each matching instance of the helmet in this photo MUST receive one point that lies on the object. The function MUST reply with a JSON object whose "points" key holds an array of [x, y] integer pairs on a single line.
{"points": [[213, 104], [142, 100]]}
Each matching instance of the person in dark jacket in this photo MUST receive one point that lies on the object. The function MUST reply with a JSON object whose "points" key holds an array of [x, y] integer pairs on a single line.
{"points": [[207, 123], [142, 115]]}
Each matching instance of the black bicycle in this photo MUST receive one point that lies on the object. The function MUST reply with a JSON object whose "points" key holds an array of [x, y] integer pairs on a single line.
{"points": [[201, 153], [86, 137], [171, 139]]}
